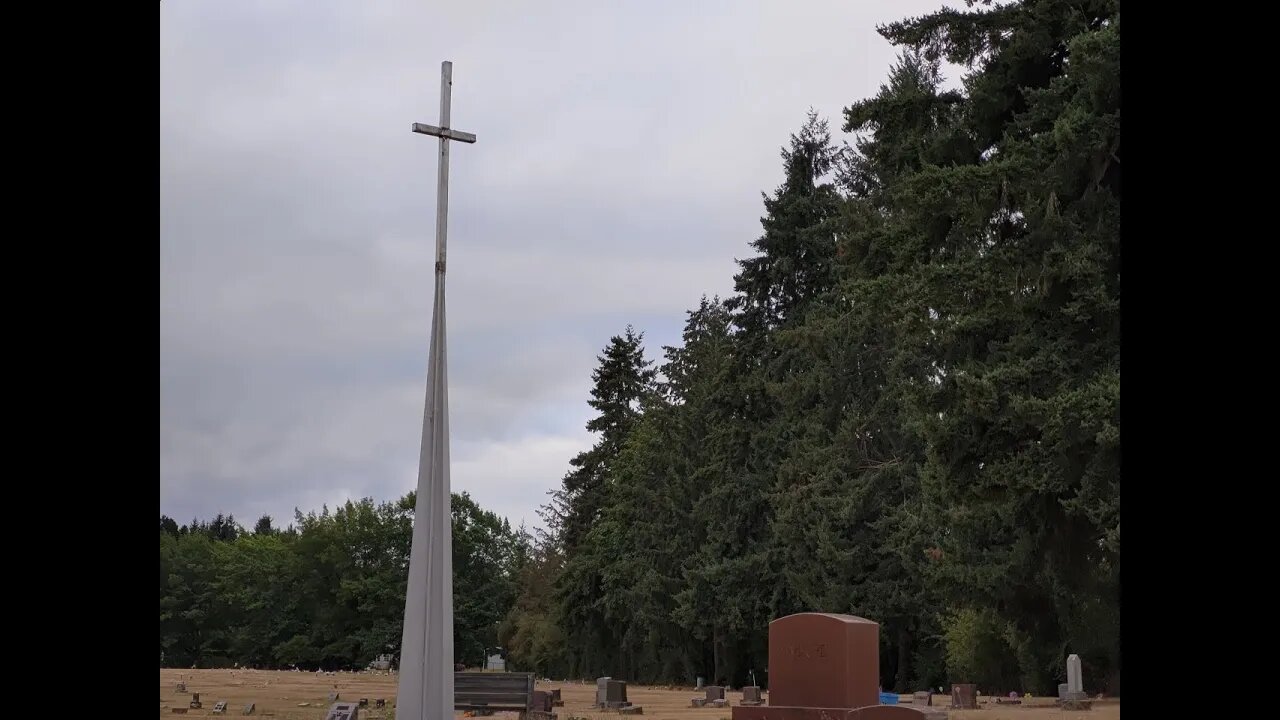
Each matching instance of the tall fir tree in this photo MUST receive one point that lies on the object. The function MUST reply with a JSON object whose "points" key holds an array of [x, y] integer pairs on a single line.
{"points": [[1019, 279], [623, 384]]}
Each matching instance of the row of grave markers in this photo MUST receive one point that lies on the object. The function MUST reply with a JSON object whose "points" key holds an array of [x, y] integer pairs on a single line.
{"points": [[820, 661], [715, 697], [345, 711]]}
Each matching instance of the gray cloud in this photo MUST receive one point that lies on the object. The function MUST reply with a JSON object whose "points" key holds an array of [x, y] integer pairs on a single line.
{"points": [[622, 151]]}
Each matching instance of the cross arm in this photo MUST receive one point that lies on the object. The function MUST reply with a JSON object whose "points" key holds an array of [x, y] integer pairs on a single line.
{"points": [[447, 133]]}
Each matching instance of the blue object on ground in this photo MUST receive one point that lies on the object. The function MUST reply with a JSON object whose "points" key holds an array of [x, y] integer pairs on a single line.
{"points": [[888, 698]]}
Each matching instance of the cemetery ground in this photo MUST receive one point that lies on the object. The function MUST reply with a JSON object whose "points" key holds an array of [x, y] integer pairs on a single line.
{"points": [[280, 694]]}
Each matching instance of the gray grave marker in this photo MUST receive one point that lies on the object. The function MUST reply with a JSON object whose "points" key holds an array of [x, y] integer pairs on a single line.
{"points": [[1075, 681], [248, 709], [343, 711], [220, 707]]}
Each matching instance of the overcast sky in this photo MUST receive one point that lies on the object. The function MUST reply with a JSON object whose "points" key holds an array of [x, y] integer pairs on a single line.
{"points": [[623, 147]]}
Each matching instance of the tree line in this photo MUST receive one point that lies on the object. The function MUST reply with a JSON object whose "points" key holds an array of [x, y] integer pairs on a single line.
{"points": [[908, 409], [326, 592]]}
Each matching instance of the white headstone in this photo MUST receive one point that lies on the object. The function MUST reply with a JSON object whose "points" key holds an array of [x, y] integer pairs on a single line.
{"points": [[1075, 680]]}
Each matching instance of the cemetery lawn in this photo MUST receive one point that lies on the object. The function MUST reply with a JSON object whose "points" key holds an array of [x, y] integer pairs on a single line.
{"points": [[278, 694]]}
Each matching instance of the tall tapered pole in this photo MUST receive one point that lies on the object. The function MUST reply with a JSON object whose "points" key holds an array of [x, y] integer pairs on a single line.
{"points": [[426, 652]]}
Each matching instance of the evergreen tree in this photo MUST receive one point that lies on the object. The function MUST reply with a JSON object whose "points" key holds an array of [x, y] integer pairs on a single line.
{"points": [[1019, 277], [848, 528], [623, 383], [263, 526], [167, 525]]}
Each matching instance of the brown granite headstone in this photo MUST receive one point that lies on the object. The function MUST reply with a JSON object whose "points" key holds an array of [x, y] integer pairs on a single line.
{"points": [[826, 667], [824, 660], [714, 692]]}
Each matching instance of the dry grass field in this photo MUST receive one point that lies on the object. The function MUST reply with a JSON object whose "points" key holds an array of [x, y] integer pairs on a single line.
{"points": [[304, 696]]}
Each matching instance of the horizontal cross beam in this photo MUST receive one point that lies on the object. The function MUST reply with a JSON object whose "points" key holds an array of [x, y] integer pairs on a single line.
{"points": [[447, 133]]}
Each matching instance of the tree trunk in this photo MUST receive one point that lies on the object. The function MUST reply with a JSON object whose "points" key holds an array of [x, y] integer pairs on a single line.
{"points": [[715, 657], [903, 676]]}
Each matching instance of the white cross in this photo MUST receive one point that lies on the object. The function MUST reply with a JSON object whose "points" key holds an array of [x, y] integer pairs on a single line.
{"points": [[445, 133]]}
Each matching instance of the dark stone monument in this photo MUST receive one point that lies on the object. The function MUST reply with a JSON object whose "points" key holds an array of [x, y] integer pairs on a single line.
{"points": [[379, 703], [248, 709], [964, 696], [195, 701], [714, 697], [556, 700], [182, 687], [343, 711], [615, 695], [364, 702], [751, 696], [826, 667], [540, 706], [612, 695]]}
